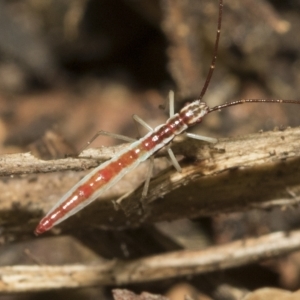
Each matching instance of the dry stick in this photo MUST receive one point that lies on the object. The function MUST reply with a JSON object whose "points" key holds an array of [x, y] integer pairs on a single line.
{"points": [[261, 170], [180, 263], [26, 163]]}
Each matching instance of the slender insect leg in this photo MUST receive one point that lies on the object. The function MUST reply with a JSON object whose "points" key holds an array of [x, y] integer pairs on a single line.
{"points": [[174, 160], [171, 104], [110, 134], [148, 177], [139, 120], [201, 137]]}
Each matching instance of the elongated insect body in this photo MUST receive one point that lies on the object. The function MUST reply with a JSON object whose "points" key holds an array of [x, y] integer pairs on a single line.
{"points": [[110, 172]]}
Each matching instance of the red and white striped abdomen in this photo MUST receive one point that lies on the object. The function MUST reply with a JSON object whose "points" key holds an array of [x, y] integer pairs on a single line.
{"points": [[110, 172]]}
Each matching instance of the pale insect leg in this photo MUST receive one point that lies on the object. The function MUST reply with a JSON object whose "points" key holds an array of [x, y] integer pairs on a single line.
{"points": [[201, 137], [171, 103], [137, 119], [174, 160], [110, 134], [148, 177]]}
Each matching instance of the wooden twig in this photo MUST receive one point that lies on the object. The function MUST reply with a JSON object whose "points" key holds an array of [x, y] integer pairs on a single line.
{"points": [[26, 163], [180, 263], [123, 294], [235, 174]]}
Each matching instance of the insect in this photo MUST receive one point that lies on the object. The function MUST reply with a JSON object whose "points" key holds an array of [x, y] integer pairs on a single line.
{"points": [[110, 172]]}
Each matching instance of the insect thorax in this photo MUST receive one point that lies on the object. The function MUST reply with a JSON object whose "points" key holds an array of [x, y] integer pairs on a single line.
{"points": [[193, 112]]}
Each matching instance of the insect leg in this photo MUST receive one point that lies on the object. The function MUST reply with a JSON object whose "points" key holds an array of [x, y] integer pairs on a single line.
{"points": [[110, 134], [201, 137], [139, 120], [148, 177], [171, 104]]}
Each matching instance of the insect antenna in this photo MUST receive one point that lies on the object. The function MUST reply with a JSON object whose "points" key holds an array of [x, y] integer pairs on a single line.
{"points": [[242, 101], [211, 70], [215, 52]]}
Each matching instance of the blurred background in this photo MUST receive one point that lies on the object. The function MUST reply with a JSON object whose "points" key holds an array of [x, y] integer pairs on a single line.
{"points": [[80, 66], [74, 67]]}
